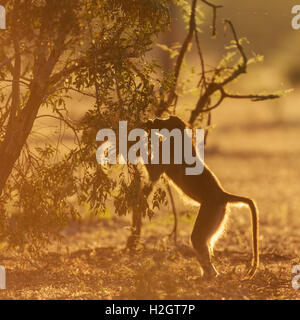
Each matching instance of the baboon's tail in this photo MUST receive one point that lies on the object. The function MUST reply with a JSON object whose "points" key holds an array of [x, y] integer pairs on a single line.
{"points": [[254, 214]]}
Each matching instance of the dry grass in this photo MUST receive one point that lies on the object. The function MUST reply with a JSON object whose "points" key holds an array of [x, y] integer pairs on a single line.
{"points": [[254, 154]]}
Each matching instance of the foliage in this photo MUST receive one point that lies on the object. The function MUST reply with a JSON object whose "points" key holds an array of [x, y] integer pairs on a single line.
{"points": [[50, 50], [55, 48]]}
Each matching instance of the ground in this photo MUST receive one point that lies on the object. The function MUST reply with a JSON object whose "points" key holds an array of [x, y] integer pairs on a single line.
{"points": [[254, 153]]}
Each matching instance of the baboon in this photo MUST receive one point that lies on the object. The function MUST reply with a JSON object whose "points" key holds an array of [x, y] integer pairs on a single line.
{"points": [[207, 191]]}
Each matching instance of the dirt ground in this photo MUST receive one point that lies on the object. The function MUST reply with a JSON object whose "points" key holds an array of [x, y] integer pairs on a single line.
{"points": [[254, 153]]}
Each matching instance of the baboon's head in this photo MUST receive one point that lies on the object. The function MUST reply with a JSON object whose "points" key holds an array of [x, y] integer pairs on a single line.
{"points": [[166, 123]]}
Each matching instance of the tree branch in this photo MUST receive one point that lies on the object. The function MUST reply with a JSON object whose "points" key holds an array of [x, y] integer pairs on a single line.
{"points": [[212, 87], [214, 23], [253, 97], [164, 105], [16, 71]]}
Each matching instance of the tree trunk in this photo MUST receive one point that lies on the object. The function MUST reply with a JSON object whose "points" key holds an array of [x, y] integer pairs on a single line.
{"points": [[18, 132]]}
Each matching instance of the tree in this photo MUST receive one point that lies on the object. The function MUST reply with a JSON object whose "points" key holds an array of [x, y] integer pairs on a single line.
{"points": [[52, 48]]}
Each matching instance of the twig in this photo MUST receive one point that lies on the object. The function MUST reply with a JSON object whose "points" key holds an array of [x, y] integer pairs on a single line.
{"points": [[252, 97], [61, 118], [164, 105], [203, 77], [214, 23], [212, 87], [209, 121]]}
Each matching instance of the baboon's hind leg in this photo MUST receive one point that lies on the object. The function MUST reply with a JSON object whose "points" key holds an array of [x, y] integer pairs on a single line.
{"points": [[208, 222]]}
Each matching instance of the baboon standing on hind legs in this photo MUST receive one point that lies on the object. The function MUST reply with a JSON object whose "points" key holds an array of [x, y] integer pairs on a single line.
{"points": [[207, 191]]}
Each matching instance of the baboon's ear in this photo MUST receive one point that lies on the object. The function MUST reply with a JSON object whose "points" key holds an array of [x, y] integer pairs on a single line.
{"points": [[148, 124], [177, 122], [159, 123]]}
